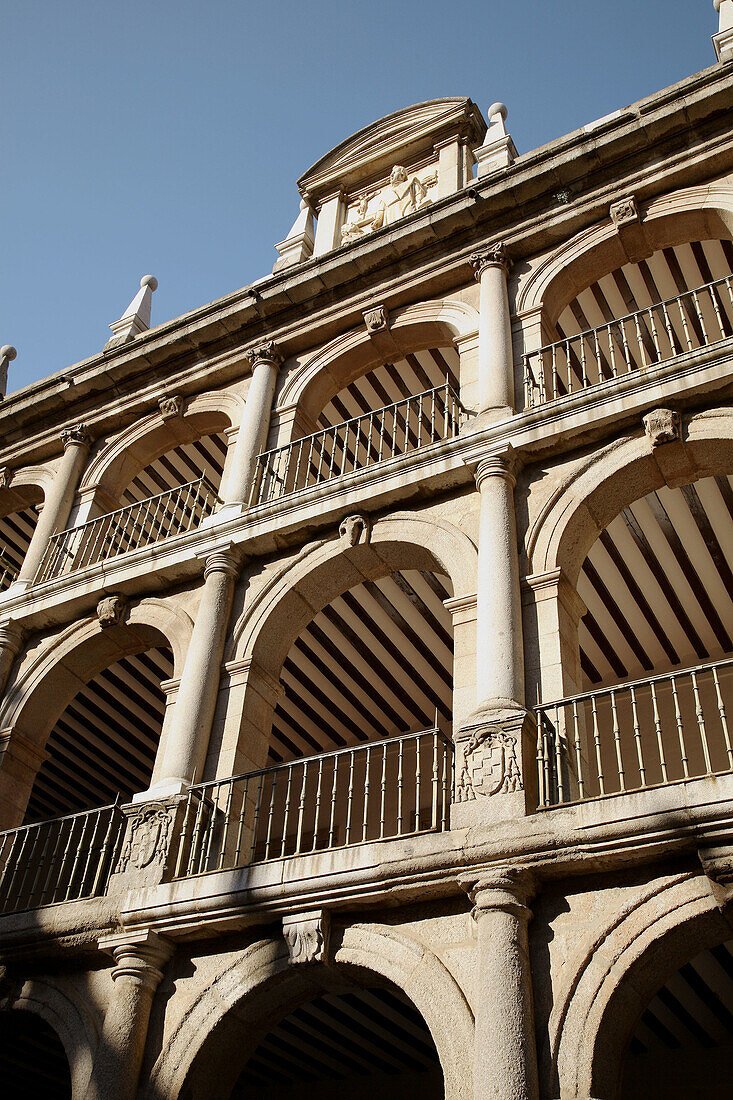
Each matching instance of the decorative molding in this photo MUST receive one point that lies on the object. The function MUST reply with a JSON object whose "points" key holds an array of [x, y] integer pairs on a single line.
{"points": [[495, 255], [111, 610], [146, 840], [170, 407], [662, 426], [376, 319], [490, 764], [355, 529], [76, 434], [266, 352], [624, 212], [306, 936]]}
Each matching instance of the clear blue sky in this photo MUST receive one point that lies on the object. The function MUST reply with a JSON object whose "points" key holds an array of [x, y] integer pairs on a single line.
{"points": [[167, 136]]}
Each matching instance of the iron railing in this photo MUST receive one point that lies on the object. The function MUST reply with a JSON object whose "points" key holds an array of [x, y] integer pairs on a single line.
{"points": [[63, 859], [396, 429], [140, 524], [375, 791], [647, 733], [8, 571], [643, 339]]}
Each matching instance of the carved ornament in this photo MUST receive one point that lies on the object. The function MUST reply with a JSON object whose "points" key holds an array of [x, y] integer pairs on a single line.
{"points": [[148, 832], [354, 530], [489, 765], [110, 610], [376, 319], [662, 426], [495, 255], [624, 212], [76, 434], [266, 352], [306, 936], [170, 407], [404, 194]]}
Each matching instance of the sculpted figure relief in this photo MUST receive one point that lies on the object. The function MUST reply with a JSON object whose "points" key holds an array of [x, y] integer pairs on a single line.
{"points": [[402, 195]]}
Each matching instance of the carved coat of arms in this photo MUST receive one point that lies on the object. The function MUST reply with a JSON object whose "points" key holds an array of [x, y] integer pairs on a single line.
{"points": [[146, 840], [489, 765]]}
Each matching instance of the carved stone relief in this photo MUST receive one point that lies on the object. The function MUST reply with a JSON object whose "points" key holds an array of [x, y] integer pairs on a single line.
{"points": [[148, 833], [306, 936], [170, 407], [76, 434], [110, 610], [355, 529], [624, 212], [376, 319], [401, 196], [662, 426], [489, 765]]}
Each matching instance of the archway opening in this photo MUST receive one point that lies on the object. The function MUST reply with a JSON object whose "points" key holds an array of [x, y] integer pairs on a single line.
{"points": [[682, 1047], [187, 462], [16, 531], [32, 1058]]}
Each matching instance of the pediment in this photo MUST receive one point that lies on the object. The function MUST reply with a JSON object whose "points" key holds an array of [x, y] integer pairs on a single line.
{"points": [[404, 137]]}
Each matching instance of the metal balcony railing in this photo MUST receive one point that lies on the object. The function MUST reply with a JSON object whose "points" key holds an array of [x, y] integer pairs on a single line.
{"points": [[140, 524], [63, 859], [406, 425], [647, 733], [375, 791], [8, 571], [650, 336]]}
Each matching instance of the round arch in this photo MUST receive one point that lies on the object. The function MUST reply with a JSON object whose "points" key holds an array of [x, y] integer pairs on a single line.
{"points": [[119, 461], [609, 480], [71, 1019], [323, 570], [23, 485], [261, 985], [696, 213], [77, 654], [348, 356], [629, 960]]}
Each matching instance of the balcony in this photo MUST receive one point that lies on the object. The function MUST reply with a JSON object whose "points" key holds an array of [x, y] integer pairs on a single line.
{"points": [[378, 791], [646, 338], [648, 733], [141, 524], [429, 417]]}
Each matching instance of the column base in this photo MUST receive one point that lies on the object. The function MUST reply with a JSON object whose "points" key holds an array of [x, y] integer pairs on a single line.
{"points": [[495, 765]]}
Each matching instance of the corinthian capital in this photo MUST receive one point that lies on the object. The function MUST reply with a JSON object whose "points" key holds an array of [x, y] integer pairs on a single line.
{"points": [[495, 255], [76, 434], [266, 352]]}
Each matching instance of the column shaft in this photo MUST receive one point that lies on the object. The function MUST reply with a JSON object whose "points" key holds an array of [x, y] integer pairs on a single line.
{"points": [[255, 424], [500, 657], [59, 499], [496, 360], [188, 739]]}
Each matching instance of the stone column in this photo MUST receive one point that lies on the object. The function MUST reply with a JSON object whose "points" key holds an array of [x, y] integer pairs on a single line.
{"points": [[184, 752], [11, 639], [255, 424], [505, 1054], [139, 960], [59, 499], [496, 361]]}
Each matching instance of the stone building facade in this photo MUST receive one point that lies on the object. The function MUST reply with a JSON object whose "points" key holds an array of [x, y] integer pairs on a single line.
{"points": [[365, 641]]}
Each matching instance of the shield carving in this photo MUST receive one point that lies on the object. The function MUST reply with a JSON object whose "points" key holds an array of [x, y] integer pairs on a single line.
{"points": [[147, 838], [489, 765]]}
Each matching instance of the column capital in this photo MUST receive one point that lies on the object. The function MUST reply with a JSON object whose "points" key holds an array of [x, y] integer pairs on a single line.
{"points": [[139, 955], [224, 559], [266, 352], [77, 435], [505, 465], [495, 255], [508, 889]]}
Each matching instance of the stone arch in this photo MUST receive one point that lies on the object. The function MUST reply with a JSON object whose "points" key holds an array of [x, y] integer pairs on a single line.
{"points": [[23, 485], [146, 439], [606, 481], [261, 983], [352, 354], [57, 669], [630, 959], [71, 1018], [696, 213], [325, 569]]}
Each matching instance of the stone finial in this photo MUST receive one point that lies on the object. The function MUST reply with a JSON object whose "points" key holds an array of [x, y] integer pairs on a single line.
{"points": [[7, 354], [662, 426], [136, 318], [723, 40], [170, 407], [110, 610], [498, 150], [298, 245], [76, 434], [306, 936]]}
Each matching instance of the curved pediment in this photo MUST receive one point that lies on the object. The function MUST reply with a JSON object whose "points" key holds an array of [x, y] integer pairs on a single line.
{"points": [[402, 137]]}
